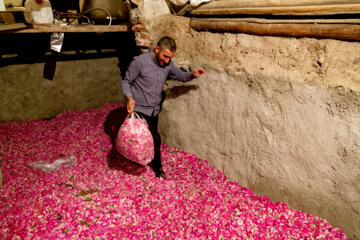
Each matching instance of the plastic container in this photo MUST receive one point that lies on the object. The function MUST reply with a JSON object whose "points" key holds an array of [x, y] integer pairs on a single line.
{"points": [[2, 5], [41, 11]]}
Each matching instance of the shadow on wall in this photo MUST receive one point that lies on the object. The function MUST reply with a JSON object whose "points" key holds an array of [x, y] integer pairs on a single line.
{"points": [[177, 91], [20, 49]]}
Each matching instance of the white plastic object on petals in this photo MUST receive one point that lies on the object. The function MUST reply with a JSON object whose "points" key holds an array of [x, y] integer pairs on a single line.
{"points": [[55, 166], [41, 13], [134, 140]]}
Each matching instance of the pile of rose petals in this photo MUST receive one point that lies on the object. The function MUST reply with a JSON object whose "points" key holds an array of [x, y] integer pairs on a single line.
{"points": [[105, 196]]}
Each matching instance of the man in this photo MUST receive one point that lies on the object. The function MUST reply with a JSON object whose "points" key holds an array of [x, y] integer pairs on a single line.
{"points": [[143, 86]]}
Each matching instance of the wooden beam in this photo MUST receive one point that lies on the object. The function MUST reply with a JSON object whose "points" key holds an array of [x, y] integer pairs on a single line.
{"points": [[76, 28], [318, 30], [283, 21], [240, 7], [274, 3], [17, 14], [6, 27]]}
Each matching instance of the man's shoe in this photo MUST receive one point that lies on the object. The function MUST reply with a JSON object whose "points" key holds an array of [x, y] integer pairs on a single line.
{"points": [[160, 173]]}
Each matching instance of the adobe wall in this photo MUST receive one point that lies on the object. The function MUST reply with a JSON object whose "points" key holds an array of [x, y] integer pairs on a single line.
{"points": [[82, 84], [278, 115]]}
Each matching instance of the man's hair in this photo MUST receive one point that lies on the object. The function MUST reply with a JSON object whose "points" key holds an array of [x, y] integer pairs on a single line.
{"points": [[167, 43]]}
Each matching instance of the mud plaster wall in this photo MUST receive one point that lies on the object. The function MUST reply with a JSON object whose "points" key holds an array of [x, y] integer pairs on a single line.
{"points": [[279, 115], [82, 84]]}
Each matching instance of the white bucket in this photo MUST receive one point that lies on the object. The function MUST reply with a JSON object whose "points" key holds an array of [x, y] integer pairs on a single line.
{"points": [[41, 13]]}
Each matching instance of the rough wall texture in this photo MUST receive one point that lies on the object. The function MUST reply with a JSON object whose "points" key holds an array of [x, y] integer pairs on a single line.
{"points": [[279, 115], [84, 84]]}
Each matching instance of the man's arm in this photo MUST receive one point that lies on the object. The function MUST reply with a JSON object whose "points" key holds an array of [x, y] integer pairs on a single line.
{"points": [[130, 105], [131, 74], [197, 72], [184, 76]]}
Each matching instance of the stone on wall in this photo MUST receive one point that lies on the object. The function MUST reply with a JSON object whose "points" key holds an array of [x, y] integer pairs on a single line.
{"points": [[145, 11]]}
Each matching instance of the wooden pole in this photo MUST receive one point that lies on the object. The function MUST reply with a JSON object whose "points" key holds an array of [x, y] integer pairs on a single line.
{"points": [[274, 3], [341, 31], [240, 7], [279, 3], [74, 28]]}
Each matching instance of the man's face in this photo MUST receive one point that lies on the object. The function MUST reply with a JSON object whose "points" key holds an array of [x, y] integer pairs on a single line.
{"points": [[163, 57]]}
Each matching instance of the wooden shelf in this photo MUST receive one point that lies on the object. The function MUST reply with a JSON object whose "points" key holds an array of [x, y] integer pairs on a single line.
{"points": [[72, 28], [7, 27], [19, 20]]}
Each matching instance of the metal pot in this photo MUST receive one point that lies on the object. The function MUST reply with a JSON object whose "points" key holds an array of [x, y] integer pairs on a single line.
{"points": [[99, 10]]}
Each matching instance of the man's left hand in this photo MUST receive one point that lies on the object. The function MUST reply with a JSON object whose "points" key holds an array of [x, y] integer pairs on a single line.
{"points": [[197, 72]]}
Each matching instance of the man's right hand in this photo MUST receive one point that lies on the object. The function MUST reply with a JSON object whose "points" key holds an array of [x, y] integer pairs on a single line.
{"points": [[130, 105]]}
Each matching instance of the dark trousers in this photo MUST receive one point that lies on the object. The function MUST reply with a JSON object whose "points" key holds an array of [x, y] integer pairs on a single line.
{"points": [[153, 127]]}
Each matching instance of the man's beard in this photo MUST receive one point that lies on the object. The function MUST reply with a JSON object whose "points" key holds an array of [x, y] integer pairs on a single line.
{"points": [[161, 63]]}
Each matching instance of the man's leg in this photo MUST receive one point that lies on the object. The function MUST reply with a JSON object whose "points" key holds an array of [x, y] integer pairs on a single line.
{"points": [[153, 127]]}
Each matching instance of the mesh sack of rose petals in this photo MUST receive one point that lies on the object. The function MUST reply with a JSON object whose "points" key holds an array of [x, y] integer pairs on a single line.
{"points": [[134, 140]]}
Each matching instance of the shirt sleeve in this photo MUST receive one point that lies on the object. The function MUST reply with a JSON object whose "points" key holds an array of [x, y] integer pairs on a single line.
{"points": [[178, 74], [131, 74]]}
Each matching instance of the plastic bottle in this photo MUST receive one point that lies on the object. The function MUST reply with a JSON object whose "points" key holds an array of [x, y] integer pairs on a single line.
{"points": [[2, 5], [41, 11]]}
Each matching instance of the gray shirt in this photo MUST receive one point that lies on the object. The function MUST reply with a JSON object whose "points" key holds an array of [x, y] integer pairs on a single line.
{"points": [[144, 81]]}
